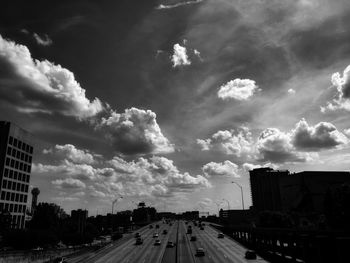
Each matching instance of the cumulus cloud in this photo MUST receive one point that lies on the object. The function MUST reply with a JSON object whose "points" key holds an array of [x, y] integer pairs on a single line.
{"points": [[225, 168], [42, 40], [41, 86], [70, 152], [69, 183], [323, 135], [180, 57], [342, 84], [233, 142], [152, 177], [239, 89], [249, 166], [178, 4], [205, 203], [136, 131]]}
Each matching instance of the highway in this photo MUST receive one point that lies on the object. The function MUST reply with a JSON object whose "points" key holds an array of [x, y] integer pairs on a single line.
{"points": [[217, 250]]}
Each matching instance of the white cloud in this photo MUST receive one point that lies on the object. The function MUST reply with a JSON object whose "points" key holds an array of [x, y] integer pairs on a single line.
{"points": [[69, 183], [249, 166], [43, 41], [70, 152], [234, 142], [41, 86], [291, 91], [180, 57], [342, 84], [136, 131], [178, 4], [323, 135], [239, 89], [225, 168]]}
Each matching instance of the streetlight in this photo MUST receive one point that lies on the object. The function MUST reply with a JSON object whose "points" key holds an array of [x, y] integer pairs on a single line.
{"points": [[228, 203], [241, 193]]}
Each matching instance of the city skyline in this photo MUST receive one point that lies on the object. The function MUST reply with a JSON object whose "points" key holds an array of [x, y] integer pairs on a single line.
{"points": [[169, 102]]}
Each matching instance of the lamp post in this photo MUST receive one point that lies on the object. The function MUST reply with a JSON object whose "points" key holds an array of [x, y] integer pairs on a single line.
{"points": [[113, 202], [241, 193], [228, 203]]}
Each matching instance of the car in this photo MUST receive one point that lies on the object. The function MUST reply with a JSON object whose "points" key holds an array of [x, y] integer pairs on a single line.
{"points": [[165, 232], [193, 238], [60, 260], [202, 228], [155, 235], [157, 243], [150, 226], [170, 244], [221, 235], [139, 241], [157, 226], [250, 254], [137, 235], [200, 252]]}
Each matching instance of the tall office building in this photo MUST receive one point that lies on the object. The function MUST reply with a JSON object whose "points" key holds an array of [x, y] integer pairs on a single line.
{"points": [[15, 166]]}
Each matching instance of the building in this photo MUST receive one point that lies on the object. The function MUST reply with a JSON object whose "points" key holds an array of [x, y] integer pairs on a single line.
{"points": [[276, 190], [79, 218], [235, 217], [16, 153], [35, 193]]}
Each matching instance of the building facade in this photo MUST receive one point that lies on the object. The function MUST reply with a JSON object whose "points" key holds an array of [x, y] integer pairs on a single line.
{"points": [[16, 153], [275, 190], [79, 217]]}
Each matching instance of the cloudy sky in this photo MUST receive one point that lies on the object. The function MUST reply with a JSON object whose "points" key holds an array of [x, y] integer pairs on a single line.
{"points": [[169, 101]]}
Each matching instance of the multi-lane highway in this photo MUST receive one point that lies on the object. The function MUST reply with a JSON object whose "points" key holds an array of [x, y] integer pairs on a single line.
{"points": [[217, 250]]}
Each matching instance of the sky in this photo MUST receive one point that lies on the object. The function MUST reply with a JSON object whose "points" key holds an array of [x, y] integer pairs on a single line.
{"points": [[170, 101]]}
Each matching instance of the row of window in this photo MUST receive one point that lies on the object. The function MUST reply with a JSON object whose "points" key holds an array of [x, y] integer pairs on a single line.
{"points": [[16, 175], [15, 197], [20, 145], [6, 184], [19, 155], [18, 165], [12, 208]]}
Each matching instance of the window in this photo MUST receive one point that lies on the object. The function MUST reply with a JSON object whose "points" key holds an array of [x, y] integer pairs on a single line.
{"points": [[19, 144], [26, 190], [22, 156], [22, 187], [26, 157], [12, 163], [16, 164], [15, 142], [9, 184], [8, 161], [11, 208], [18, 188], [25, 199], [16, 208], [9, 150], [21, 198], [28, 177], [4, 183], [8, 196], [1, 206], [6, 207], [11, 174], [3, 195], [21, 166], [29, 169], [31, 149], [15, 174], [11, 140], [12, 196], [14, 184], [18, 154], [17, 198], [24, 146], [6, 174], [30, 159]]}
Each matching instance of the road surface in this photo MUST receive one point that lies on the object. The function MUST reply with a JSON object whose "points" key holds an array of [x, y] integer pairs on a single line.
{"points": [[217, 250]]}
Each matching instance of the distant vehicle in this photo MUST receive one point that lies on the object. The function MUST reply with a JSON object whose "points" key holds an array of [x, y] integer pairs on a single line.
{"points": [[250, 254], [200, 252], [38, 249], [155, 235], [170, 244], [193, 238], [157, 226], [137, 235], [150, 226], [165, 232], [60, 260], [157, 243], [202, 228], [221, 235], [139, 241]]}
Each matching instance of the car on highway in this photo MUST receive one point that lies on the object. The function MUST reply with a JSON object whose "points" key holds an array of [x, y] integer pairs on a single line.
{"points": [[157, 242], [200, 252], [170, 244], [155, 235], [221, 235], [193, 238], [250, 254], [137, 235], [165, 232], [189, 231], [139, 241], [157, 226]]}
